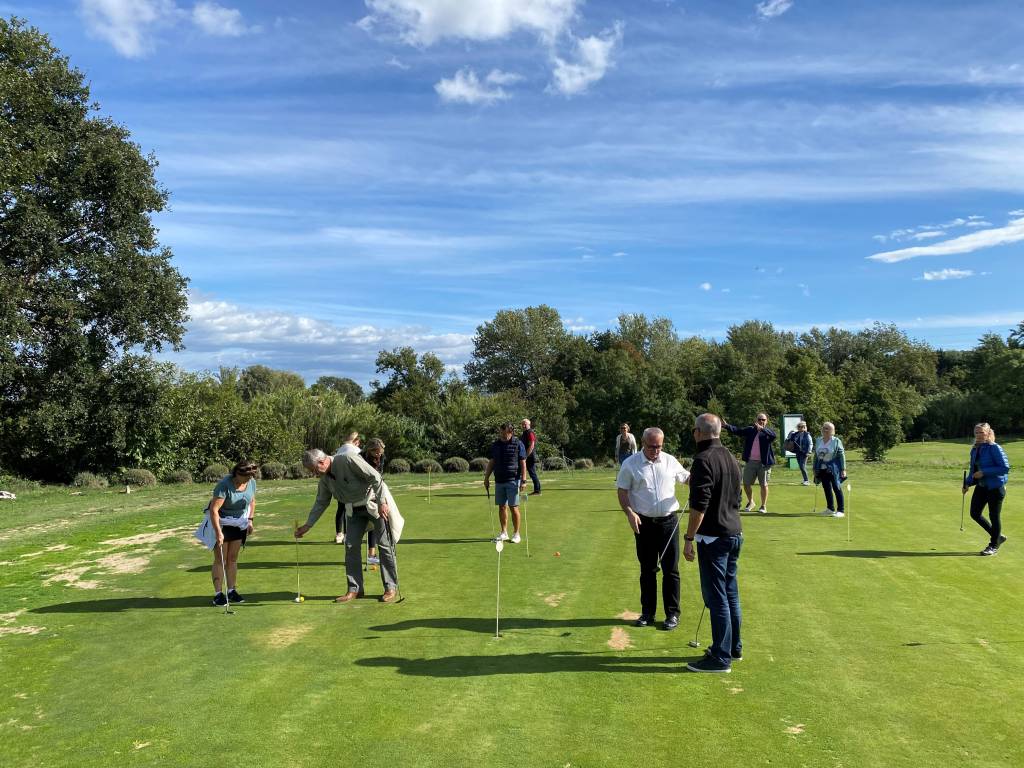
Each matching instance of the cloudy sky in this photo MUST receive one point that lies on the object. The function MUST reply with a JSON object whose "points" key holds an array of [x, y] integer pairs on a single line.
{"points": [[359, 175]]}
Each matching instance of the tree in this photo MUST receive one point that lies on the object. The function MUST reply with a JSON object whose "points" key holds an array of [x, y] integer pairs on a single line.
{"points": [[259, 380], [413, 386], [82, 275], [517, 349], [344, 386], [1016, 338]]}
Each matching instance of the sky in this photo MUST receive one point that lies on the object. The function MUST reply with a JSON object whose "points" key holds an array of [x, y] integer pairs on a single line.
{"points": [[346, 177]]}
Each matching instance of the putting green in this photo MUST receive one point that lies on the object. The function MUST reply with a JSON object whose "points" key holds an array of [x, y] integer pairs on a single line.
{"points": [[898, 647]]}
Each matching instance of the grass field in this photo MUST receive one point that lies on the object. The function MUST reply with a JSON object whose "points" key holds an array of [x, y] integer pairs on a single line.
{"points": [[899, 647]]}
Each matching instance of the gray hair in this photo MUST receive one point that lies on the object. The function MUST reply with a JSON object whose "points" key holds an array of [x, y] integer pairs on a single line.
{"points": [[828, 424], [709, 425], [652, 431], [312, 457]]}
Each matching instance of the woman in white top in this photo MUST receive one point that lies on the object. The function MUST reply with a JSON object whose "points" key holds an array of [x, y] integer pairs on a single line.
{"points": [[830, 468], [625, 444]]}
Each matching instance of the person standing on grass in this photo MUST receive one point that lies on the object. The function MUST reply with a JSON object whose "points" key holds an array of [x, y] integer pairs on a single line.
{"points": [[231, 512], [625, 444], [351, 445], [758, 457], [349, 479], [990, 469], [647, 494], [529, 441], [714, 526], [804, 445], [508, 464], [830, 469], [374, 456]]}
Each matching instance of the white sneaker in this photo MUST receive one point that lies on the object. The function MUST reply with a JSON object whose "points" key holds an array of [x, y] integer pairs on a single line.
{"points": [[828, 513], [515, 538], [839, 514], [503, 536], [747, 508], [806, 482], [339, 538], [370, 560], [762, 511]]}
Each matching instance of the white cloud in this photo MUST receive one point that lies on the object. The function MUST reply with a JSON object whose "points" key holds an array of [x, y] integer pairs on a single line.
{"points": [[424, 22], [947, 274], [217, 20], [593, 58], [127, 24], [1018, 212], [927, 234], [467, 88], [804, 290], [989, 238], [769, 9], [705, 286], [395, 62]]}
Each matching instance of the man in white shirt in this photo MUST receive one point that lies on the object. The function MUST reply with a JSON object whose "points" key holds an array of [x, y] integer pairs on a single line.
{"points": [[647, 494]]}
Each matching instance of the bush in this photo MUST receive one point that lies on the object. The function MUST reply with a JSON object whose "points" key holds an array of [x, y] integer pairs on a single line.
{"points": [[89, 480], [479, 464], [274, 470], [608, 464], [427, 465], [456, 464], [583, 464], [398, 466], [138, 477], [214, 472], [178, 476], [554, 464], [298, 471]]}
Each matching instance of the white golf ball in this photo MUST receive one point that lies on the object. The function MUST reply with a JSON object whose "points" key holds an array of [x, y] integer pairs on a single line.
{"points": [[499, 545]]}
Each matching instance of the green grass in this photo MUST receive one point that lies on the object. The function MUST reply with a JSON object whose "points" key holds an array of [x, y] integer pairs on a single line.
{"points": [[900, 647]]}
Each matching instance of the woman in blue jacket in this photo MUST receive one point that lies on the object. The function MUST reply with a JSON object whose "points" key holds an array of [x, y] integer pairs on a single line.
{"points": [[989, 472], [804, 445], [830, 469]]}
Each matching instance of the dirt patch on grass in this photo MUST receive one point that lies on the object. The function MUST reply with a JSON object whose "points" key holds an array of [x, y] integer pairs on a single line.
{"points": [[794, 730], [10, 618], [20, 630], [54, 548], [122, 563], [286, 636], [734, 690], [620, 639], [72, 577], [147, 539], [628, 616], [554, 599]]}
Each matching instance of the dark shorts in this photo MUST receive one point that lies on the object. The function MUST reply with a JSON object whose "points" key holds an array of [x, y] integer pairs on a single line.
{"points": [[233, 534]]}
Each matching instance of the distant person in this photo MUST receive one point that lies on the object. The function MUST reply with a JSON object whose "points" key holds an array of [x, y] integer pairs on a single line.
{"points": [[830, 469], [625, 444], [529, 441], [990, 469], [758, 458], [231, 512], [508, 465], [804, 444], [715, 527], [349, 479], [647, 495], [351, 445]]}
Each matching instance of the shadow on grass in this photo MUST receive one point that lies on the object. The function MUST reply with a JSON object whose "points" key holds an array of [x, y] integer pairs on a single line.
{"points": [[526, 663], [257, 565], [486, 625], [307, 542], [118, 604], [403, 542], [883, 553]]}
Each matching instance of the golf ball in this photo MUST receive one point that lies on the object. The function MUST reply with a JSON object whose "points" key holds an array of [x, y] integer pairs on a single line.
{"points": [[558, 554], [300, 599]]}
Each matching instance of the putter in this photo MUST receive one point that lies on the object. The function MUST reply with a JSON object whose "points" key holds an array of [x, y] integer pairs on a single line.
{"points": [[669, 542], [298, 590], [491, 519], [224, 584], [695, 643], [394, 556], [815, 510], [963, 500], [526, 524], [498, 546]]}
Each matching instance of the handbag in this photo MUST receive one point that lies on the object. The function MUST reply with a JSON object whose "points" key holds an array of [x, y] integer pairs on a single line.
{"points": [[206, 533], [790, 444]]}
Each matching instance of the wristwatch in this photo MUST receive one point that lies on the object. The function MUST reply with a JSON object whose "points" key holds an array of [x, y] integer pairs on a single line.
{"points": [[688, 538]]}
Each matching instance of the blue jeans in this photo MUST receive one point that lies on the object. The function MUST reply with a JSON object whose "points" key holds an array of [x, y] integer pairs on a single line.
{"points": [[718, 563], [801, 460]]}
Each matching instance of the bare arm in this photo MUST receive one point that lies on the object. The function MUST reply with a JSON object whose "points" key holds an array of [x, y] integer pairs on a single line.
{"points": [[632, 517]]}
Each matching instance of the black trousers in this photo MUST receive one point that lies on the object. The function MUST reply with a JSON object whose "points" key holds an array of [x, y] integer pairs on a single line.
{"points": [[658, 534], [994, 498], [531, 467]]}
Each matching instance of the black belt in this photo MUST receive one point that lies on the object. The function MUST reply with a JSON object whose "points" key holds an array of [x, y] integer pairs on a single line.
{"points": [[359, 508]]}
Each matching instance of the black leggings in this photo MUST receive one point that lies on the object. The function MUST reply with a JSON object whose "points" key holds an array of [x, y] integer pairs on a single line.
{"points": [[994, 498], [832, 485]]}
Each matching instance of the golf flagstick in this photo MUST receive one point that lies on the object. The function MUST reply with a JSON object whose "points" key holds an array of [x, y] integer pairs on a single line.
{"points": [[298, 585], [526, 524], [394, 557], [428, 484], [815, 510], [963, 500], [849, 515], [491, 519], [498, 546], [224, 584]]}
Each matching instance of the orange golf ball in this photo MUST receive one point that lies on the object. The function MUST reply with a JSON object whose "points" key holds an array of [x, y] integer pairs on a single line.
{"points": [[558, 554]]}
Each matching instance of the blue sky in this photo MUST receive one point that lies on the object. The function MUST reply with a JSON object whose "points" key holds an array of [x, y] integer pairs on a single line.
{"points": [[369, 174]]}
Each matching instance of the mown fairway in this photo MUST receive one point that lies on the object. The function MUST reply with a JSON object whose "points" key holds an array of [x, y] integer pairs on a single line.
{"points": [[899, 647]]}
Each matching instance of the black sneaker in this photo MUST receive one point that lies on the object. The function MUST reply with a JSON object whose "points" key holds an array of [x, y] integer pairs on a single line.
{"points": [[671, 622], [643, 621], [989, 551], [235, 597], [219, 599], [1002, 540], [708, 664], [734, 657]]}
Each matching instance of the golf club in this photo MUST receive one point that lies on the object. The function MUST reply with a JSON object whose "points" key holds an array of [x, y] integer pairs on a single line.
{"points": [[526, 525], [491, 519], [668, 543], [815, 510], [963, 500], [695, 643], [298, 591], [498, 546], [224, 584], [394, 558]]}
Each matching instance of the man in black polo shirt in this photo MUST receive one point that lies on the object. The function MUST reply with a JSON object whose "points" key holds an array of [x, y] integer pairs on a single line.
{"points": [[529, 441], [715, 526], [508, 463]]}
